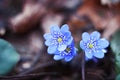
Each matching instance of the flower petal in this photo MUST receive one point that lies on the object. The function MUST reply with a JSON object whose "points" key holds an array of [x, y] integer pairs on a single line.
{"points": [[54, 28], [67, 34], [67, 37], [68, 58], [64, 28], [103, 43], [69, 40], [82, 45], [95, 59], [86, 59], [85, 36], [89, 54], [48, 42], [95, 35], [75, 51], [47, 36], [51, 49], [104, 50], [58, 57], [62, 47], [99, 54]]}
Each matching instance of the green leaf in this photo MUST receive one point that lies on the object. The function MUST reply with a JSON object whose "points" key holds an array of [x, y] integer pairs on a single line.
{"points": [[8, 57], [118, 77], [115, 43], [115, 46], [117, 67]]}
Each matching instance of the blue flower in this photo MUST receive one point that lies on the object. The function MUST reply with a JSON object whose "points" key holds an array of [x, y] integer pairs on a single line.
{"points": [[67, 54], [93, 45], [58, 38]]}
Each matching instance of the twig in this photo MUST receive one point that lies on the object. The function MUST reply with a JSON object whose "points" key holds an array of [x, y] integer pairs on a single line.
{"points": [[38, 75], [95, 74], [37, 67], [37, 57], [83, 66]]}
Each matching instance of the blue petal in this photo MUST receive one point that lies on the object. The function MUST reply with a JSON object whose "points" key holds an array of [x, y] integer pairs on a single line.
{"points": [[88, 54], [64, 28], [62, 47], [67, 34], [85, 36], [68, 58], [95, 35], [104, 50], [86, 58], [75, 49], [95, 59], [69, 41], [102, 43], [82, 45], [51, 49], [48, 42], [58, 57], [54, 28], [57, 52], [47, 36], [99, 54], [67, 37]]}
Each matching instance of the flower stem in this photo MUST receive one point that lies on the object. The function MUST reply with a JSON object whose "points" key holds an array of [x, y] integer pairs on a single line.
{"points": [[83, 66]]}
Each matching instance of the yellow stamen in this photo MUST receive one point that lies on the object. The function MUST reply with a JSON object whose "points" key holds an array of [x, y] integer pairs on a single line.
{"points": [[90, 45], [67, 50], [59, 39]]}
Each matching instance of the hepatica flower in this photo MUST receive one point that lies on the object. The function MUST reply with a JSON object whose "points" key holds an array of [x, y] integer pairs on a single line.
{"points": [[93, 45], [58, 38], [67, 54]]}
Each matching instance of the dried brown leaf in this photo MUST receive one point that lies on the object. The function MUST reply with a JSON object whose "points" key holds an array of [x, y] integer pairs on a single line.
{"points": [[26, 20], [50, 20], [101, 16]]}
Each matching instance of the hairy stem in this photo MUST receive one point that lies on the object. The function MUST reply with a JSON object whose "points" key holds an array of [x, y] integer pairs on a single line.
{"points": [[83, 66]]}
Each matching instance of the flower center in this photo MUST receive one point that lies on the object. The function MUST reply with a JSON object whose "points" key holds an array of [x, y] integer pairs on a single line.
{"points": [[90, 45], [59, 39], [67, 50]]}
